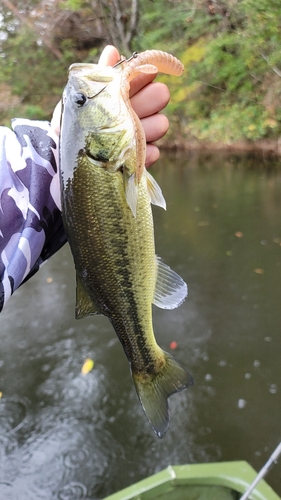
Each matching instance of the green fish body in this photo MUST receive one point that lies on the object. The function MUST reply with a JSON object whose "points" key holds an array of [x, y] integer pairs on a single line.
{"points": [[106, 206]]}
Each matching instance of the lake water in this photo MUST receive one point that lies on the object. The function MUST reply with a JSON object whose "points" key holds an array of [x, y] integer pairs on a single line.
{"points": [[67, 436]]}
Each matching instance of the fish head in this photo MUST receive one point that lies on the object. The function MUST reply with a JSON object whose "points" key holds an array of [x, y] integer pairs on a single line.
{"points": [[84, 91], [95, 120]]}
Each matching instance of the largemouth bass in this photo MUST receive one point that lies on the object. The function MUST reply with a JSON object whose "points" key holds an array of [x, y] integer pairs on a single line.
{"points": [[106, 205]]}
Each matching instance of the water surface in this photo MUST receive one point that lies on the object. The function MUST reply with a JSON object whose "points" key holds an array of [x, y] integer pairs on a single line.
{"points": [[68, 436]]}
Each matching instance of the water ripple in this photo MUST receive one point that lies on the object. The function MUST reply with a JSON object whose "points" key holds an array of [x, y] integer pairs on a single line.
{"points": [[72, 491], [28, 490], [72, 391], [65, 431], [13, 414], [6, 491], [80, 388], [75, 459], [32, 461], [7, 445]]}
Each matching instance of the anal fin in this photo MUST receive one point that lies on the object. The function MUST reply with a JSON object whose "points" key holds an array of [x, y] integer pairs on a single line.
{"points": [[84, 304]]}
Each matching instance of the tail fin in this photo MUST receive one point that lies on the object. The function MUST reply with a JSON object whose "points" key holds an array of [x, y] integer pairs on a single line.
{"points": [[154, 393]]}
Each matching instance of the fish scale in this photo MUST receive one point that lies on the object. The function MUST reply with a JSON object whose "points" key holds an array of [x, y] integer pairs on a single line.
{"points": [[120, 236], [106, 208]]}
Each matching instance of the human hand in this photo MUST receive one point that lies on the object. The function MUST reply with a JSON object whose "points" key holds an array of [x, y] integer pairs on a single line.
{"points": [[148, 98]]}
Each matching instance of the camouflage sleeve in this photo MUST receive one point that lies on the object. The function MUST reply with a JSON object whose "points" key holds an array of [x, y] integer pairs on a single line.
{"points": [[31, 228]]}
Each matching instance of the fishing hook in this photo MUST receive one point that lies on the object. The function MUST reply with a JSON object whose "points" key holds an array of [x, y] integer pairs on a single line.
{"points": [[133, 56], [92, 97]]}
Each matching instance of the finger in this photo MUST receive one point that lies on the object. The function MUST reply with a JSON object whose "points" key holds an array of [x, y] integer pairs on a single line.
{"points": [[152, 154], [155, 127], [139, 82], [151, 99], [109, 56]]}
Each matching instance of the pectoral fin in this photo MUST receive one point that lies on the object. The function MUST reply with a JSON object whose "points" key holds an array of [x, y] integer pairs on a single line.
{"points": [[131, 191], [154, 191], [84, 304], [170, 289]]}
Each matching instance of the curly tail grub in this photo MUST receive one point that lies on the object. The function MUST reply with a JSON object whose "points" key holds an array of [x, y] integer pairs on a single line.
{"points": [[162, 61], [148, 62]]}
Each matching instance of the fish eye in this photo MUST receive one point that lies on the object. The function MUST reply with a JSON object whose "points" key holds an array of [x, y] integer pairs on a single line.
{"points": [[80, 98]]}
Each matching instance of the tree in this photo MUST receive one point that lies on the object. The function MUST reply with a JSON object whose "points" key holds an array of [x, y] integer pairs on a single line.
{"points": [[32, 26], [120, 19], [231, 87], [241, 84]]}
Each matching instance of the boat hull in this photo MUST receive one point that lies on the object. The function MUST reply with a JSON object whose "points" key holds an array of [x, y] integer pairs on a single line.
{"points": [[220, 481]]}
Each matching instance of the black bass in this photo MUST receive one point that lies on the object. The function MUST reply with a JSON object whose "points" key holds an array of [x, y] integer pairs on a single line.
{"points": [[106, 205]]}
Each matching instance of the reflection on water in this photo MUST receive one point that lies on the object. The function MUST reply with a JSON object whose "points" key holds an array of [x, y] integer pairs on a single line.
{"points": [[67, 436]]}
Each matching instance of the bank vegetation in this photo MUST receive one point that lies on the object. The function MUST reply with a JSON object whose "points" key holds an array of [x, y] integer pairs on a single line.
{"points": [[229, 95]]}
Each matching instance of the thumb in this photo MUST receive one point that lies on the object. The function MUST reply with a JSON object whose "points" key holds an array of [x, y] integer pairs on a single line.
{"points": [[109, 56]]}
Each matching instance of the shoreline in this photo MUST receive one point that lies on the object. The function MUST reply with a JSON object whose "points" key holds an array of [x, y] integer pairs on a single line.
{"points": [[268, 147]]}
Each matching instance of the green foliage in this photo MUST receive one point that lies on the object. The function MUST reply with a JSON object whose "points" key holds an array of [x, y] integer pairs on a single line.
{"points": [[240, 93], [74, 5], [33, 73], [171, 24], [231, 88], [234, 123]]}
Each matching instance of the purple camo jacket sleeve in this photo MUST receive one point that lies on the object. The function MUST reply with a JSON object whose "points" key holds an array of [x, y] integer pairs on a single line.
{"points": [[31, 228]]}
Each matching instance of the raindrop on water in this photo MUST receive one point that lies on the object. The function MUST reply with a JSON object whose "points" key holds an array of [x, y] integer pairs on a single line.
{"points": [[64, 432], [75, 459], [241, 403], [22, 344], [73, 491], [32, 461], [6, 491], [45, 368], [7, 445], [273, 388], [13, 413]]}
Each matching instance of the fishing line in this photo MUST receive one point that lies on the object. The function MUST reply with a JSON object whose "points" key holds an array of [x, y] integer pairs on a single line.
{"points": [[222, 90], [264, 470]]}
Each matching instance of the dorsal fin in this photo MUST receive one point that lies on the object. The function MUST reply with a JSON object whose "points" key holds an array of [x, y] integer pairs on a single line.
{"points": [[170, 289]]}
